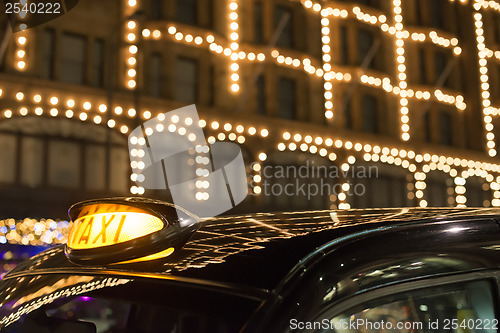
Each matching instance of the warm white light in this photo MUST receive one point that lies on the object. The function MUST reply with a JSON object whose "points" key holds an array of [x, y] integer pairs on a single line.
{"points": [[131, 24]]}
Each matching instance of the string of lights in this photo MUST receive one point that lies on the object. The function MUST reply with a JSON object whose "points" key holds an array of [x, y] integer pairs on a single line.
{"points": [[35, 232]]}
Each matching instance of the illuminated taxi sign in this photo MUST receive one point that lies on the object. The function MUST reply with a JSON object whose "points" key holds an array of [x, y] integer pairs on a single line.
{"points": [[126, 230], [104, 229]]}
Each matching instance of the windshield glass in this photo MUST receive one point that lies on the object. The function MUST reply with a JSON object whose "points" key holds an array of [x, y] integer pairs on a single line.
{"points": [[58, 303]]}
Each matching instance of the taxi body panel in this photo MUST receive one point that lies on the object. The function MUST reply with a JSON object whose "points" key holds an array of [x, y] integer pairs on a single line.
{"points": [[296, 265]]}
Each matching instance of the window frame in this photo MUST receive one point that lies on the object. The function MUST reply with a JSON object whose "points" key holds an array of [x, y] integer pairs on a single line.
{"points": [[436, 12], [84, 64], [260, 95], [376, 61], [446, 127], [493, 277], [156, 10], [288, 42], [48, 54], [155, 75], [344, 36], [181, 19], [372, 125], [98, 65], [196, 84], [258, 22], [282, 82]]}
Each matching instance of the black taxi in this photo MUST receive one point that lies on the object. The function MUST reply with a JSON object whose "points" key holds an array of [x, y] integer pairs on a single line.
{"points": [[138, 265]]}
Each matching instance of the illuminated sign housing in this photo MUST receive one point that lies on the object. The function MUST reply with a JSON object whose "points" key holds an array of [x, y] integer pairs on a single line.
{"points": [[126, 230]]}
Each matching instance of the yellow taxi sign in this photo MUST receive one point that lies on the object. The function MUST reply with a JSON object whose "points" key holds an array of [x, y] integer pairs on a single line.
{"points": [[126, 231], [110, 228]]}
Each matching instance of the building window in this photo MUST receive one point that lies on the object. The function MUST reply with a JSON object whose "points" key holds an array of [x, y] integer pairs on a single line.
{"points": [[119, 159], [209, 8], [385, 189], [370, 114], [286, 98], [32, 153], [261, 95], [388, 191], [8, 149], [296, 199], [72, 59], [418, 12], [437, 13], [48, 37], [477, 192], [155, 77], [187, 11], [186, 83], [371, 3], [428, 126], [348, 123], [496, 97], [440, 62], [64, 164], [366, 40], [156, 9], [258, 28], [95, 167], [423, 66], [212, 84], [445, 128], [344, 45], [437, 190], [98, 64], [67, 162], [286, 36], [496, 25]]}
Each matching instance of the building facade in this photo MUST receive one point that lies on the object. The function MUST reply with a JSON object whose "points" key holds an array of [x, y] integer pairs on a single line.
{"points": [[336, 104]]}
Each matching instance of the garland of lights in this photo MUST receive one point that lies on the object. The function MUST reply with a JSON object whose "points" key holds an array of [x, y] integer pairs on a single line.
{"points": [[41, 232], [417, 164]]}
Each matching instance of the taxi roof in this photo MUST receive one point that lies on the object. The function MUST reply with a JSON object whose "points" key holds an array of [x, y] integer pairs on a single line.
{"points": [[254, 251]]}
